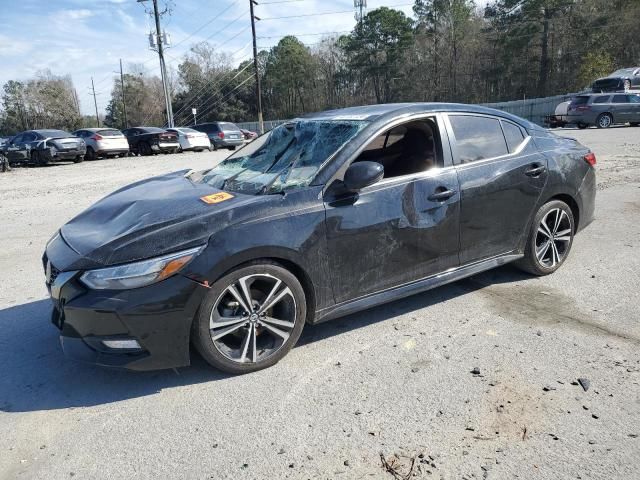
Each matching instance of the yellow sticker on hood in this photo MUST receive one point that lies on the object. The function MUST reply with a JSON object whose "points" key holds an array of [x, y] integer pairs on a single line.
{"points": [[216, 197]]}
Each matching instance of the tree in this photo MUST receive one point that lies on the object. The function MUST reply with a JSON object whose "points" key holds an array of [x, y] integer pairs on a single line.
{"points": [[375, 49], [289, 78]]}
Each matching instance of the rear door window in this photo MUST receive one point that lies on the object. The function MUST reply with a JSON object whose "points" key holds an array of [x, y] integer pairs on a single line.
{"points": [[604, 99], [620, 99], [513, 135], [477, 138]]}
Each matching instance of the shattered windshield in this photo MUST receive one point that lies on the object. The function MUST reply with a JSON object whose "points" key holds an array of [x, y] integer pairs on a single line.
{"points": [[287, 157]]}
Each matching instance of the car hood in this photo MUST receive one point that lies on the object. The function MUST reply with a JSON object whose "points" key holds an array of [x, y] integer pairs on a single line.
{"points": [[150, 218]]}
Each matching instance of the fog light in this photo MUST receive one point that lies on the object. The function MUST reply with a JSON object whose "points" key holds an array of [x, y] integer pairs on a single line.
{"points": [[128, 344]]}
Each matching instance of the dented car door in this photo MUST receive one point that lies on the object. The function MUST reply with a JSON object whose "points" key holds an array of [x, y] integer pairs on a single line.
{"points": [[394, 232]]}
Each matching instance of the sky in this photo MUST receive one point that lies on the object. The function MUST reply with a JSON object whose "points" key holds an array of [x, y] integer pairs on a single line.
{"points": [[86, 38]]}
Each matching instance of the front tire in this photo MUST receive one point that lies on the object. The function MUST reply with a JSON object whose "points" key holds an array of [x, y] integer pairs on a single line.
{"points": [[250, 318], [91, 154], [78, 159], [550, 239], [604, 120], [582, 126], [38, 158]]}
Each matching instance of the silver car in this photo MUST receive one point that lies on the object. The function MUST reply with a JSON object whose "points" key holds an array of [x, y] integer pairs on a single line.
{"points": [[604, 110], [103, 142]]}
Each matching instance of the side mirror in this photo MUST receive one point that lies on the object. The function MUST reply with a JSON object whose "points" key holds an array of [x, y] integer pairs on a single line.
{"points": [[362, 174]]}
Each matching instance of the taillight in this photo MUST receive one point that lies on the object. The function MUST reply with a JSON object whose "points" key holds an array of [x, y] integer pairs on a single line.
{"points": [[221, 134], [590, 158], [96, 137]]}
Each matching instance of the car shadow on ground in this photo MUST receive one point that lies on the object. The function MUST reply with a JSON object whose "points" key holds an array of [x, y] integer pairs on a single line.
{"points": [[36, 376]]}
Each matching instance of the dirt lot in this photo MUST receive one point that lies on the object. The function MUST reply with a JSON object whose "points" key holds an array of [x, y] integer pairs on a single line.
{"points": [[394, 381]]}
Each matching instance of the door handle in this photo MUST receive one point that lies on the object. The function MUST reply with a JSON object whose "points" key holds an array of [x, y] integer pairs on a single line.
{"points": [[535, 170], [441, 194]]}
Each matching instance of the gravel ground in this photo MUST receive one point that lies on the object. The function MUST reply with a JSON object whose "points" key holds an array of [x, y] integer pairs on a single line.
{"points": [[392, 382]]}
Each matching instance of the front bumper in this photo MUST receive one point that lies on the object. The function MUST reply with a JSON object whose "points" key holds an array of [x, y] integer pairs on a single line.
{"points": [[157, 316]]}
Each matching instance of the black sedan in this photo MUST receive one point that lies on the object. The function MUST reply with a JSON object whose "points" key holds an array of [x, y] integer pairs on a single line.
{"points": [[150, 140], [43, 146], [323, 216], [619, 81]]}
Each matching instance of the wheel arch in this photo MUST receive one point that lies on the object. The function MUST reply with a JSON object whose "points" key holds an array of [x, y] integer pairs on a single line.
{"points": [[286, 258], [573, 205]]}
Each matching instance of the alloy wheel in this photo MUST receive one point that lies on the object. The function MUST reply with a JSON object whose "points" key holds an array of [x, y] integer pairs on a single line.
{"points": [[604, 121], [253, 318], [553, 238]]}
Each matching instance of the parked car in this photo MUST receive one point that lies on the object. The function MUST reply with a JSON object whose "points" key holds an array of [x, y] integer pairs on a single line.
{"points": [[103, 142], [43, 146], [191, 139], [619, 81], [221, 134], [321, 217], [248, 134], [604, 110], [150, 140]]}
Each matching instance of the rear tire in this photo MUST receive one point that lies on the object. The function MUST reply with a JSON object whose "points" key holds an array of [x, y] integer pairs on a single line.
{"points": [[549, 240], [145, 149], [582, 126], [78, 159], [239, 340], [91, 154], [634, 124], [604, 120]]}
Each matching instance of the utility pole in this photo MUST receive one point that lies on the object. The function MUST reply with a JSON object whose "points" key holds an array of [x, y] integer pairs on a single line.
{"points": [[361, 8], [255, 66], [76, 101], [163, 69], [124, 103], [95, 102]]}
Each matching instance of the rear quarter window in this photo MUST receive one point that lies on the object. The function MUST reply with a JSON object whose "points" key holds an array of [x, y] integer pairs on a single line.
{"points": [[604, 99], [513, 135], [581, 100], [477, 138]]}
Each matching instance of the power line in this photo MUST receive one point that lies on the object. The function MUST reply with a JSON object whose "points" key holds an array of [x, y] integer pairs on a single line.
{"points": [[201, 96], [206, 83], [210, 108], [206, 24]]}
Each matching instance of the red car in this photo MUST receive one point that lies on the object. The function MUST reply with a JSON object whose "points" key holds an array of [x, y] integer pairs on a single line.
{"points": [[248, 135]]}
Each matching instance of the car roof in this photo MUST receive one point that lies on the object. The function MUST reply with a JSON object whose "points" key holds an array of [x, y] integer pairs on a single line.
{"points": [[375, 112], [93, 129]]}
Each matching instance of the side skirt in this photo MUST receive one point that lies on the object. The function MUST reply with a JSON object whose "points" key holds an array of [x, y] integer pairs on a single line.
{"points": [[408, 289]]}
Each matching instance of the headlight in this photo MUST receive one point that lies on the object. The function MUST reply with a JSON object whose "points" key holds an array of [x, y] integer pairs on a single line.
{"points": [[138, 274]]}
